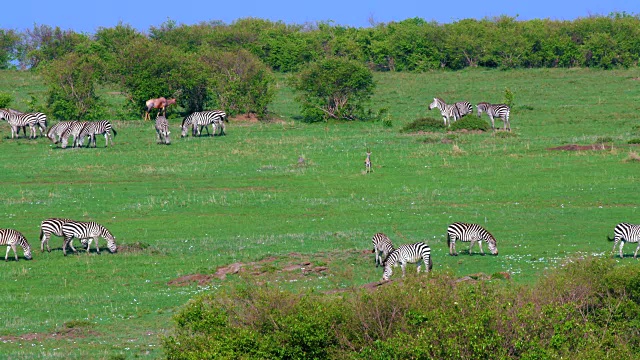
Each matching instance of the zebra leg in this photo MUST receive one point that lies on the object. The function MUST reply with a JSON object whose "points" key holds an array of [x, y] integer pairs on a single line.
{"points": [[473, 242], [613, 252], [636, 253], [71, 246], [67, 241], [403, 266], [6, 256], [97, 247], [452, 247], [480, 245], [42, 242], [621, 245], [493, 127]]}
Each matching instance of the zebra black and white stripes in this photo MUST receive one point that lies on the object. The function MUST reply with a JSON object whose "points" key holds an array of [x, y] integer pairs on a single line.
{"points": [[625, 232], [53, 226], [447, 111], [418, 253], [91, 231], [495, 111], [464, 108], [55, 131], [162, 129], [17, 120], [202, 119], [469, 232], [82, 129], [93, 128], [11, 238], [382, 247]]}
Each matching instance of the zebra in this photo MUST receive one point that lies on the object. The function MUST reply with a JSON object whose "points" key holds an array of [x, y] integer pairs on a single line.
{"points": [[203, 118], [495, 111], [382, 247], [417, 253], [625, 232], [447, 111], [91, 231], [464, 108], [54, 226], [162, 129], [18, 120], [469, 232], [11, 238], [93, 128], [74, 129], [55, 131]]}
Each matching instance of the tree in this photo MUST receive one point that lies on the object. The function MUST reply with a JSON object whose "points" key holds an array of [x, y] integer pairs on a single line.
{"points": [[240, 81], [9, 41], [71, 80], [334, 88]]}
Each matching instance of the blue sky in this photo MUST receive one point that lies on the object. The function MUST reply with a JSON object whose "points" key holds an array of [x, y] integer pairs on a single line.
{"points": [[82, 17]]}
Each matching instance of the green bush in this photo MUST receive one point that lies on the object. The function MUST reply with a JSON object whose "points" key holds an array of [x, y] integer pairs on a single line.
{"points": [[470, 123], [587, 308], [424, 124], [5, 100], [634, 141]]}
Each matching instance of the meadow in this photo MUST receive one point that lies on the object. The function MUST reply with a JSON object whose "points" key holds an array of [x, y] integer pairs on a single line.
{"points": [[201, 204]]}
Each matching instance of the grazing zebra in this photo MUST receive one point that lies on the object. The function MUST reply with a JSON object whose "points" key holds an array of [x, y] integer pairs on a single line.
{"points": [[464, 108], [93, 128], [91, 231], [54, 226], [215, 118], [382, 247], [417, 253], [469, 232], [495, 111], [20, 120], [74, 129], [55, 132], [162, 129], [625, 232], [11, 238], [447, 111]]}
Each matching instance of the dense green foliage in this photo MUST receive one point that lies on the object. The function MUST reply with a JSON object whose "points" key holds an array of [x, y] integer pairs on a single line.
{"points": [[586, 309], [334, 89], [191, 209], [408, 45]]}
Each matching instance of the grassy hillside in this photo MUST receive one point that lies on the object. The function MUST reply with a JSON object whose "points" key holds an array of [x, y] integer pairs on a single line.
{"points": [[201, 204]]}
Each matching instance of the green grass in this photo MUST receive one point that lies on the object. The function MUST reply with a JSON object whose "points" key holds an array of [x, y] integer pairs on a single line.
{"points": [[203, 203]]}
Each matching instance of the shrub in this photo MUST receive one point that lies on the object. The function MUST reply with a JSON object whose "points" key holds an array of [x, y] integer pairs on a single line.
{"points": [[586, 308], [470, 123], [5, 99], [334, 88], [424, 124], [634, 141]]}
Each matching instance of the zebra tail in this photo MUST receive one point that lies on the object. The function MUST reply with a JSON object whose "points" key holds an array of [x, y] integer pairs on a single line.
{"points": [[114, 131], [610, 239]]}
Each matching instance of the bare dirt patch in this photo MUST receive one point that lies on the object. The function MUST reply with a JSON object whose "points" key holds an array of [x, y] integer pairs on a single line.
{"points": [[73, 333], [575, 147]]}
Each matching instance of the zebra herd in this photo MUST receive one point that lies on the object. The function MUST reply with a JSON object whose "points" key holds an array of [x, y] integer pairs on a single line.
{"points": [[62, 131], [460, 109], [420, 253], [86, 231]]}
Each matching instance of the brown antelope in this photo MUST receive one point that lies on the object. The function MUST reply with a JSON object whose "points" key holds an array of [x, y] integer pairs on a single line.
{"points": [[160, 103], [367, 162]]}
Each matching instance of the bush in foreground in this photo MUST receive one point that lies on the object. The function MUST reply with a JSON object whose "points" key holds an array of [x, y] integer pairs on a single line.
{"points": [[589, 308]]}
